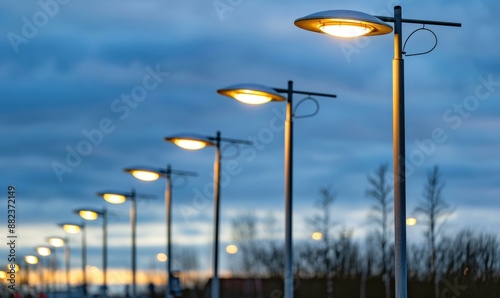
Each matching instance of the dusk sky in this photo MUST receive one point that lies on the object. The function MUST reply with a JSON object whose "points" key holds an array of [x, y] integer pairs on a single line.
{"points": [[129, 73]]}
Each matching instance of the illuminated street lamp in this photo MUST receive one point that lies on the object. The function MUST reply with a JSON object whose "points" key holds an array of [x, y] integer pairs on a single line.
{"points": [[196, 142], [346, 23], [260, 94], [58, 242], [117, 197], [74, 228], [29, 260], [44, 251], [152, 174], [92, 214]]}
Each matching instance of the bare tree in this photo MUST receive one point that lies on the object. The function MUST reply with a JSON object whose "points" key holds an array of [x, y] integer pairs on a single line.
{"points": [[244, 232], [271, 255], [322, 222], [188, 263], [434, 209], [380, 215]]}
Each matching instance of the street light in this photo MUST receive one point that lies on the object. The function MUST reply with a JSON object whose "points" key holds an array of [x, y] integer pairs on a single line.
{"points": [[44, 251], [92, 214], [346, 23], [152, 174], [195, 142], [259, 94], [74, 228], [117, 197], [30, 260], [60, 242]]}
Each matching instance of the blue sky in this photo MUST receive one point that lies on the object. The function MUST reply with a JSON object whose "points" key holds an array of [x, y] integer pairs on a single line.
{"points": [[84, 66]]}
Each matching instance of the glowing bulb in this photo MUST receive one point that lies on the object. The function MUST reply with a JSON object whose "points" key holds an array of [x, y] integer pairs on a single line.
{"points": [[254, 99], [190, 144], [161, 257], [43, 251], [343, 30], [411, 221], [72, 229], [31, 260], [231, 249], [3, 274], [145, 175], [114, 198], [56, 242], [88, 215], [317, 236]]}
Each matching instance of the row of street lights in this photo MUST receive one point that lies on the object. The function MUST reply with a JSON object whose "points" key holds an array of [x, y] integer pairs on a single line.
{"points": [[340, 23]]}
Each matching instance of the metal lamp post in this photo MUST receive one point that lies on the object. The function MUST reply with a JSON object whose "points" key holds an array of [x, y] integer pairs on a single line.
{"points": [[152, 174], [92, 214], [44, 252], [117, 197], [347, 23], [73, 228], [259, 94], [196, 142], [60, 242]]}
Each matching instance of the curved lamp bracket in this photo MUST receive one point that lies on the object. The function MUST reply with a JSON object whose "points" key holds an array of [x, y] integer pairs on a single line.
{"points": [[425, 52], [308, 98]]}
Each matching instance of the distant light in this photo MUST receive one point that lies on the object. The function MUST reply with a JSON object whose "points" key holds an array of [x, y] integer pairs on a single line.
{"points": [[88, 214], [43, 251], [3, 274], [145, 175], [161, 257], [411, 221], [32, 260], [56, 242], [16, 267], [231, 249], [343, 30], [190, 144], [114, 198], [317, 236], [72, 229]]}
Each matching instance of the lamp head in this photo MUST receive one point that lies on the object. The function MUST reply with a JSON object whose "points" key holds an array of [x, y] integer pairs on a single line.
{"points": [[32, 260], [71, 228], [87, 214], [190, 141], [254, 94], [343, 23], [56, 241], [144, 173], [43, 251]]}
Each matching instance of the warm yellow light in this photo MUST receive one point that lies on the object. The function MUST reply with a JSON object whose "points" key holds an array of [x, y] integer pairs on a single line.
{"points": [[231, 249], [344, 30], [12, 266], [246, 96], [114, 198], [3, 274], [72, 229], [95, 270], [145, 175], [190, 144], [161, 257], [56, 242], [88, 215], [317, 236], [411, 221], [43, 251], [31, 260]]}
